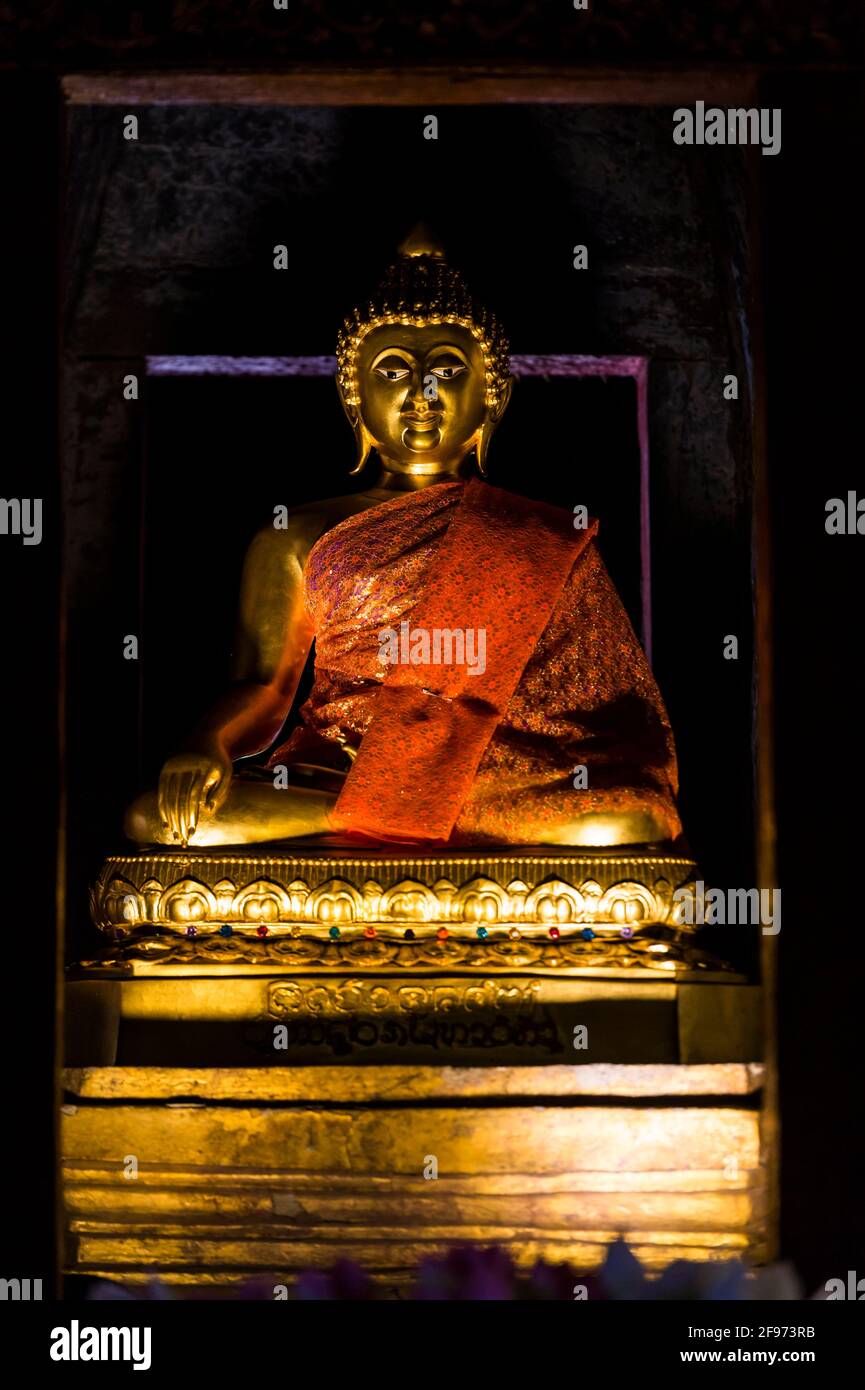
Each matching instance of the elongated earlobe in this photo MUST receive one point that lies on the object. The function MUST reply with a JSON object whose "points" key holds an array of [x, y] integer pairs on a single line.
{"points": [[482, 445], [488, 428], [363, 444], [362, 440]]}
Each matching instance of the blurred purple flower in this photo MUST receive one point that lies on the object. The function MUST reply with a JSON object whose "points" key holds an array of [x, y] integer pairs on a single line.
{"points": [[558, 1282], [104, 1291], [345, 1280], [623, 1277], [468, 1273], [465, 1274]]}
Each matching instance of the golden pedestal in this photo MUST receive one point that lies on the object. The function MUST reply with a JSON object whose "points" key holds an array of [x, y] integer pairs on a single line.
{"points": [[310, 1056]]}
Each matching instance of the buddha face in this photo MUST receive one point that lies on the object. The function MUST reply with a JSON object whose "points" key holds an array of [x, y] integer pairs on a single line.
{"points": [[422, 395]]}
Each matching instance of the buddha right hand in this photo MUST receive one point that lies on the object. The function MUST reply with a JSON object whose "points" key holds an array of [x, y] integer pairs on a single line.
{"points": [[192, 786]]}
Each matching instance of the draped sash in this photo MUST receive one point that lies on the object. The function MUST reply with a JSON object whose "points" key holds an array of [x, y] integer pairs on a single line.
{"points": [[499, 570]]}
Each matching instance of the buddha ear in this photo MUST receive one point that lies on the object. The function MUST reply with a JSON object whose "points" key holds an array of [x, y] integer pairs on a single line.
{"points": [[487, 429], [362, 440], [501, 404]]}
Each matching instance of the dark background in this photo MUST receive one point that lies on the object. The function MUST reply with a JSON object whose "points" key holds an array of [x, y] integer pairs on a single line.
{"points": [[813, 292]]}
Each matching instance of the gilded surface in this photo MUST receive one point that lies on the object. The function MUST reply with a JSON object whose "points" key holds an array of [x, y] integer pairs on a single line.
{"points": [[352, 1084], [225, 1191], [506, 955], [359, 996], [534, 892]]}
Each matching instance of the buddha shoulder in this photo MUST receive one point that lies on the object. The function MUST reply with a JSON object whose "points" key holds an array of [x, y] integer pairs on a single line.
{"points": [[289, 538]]}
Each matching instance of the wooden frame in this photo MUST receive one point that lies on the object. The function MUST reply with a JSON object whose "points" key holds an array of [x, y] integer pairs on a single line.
{"points": [[414, 86]]}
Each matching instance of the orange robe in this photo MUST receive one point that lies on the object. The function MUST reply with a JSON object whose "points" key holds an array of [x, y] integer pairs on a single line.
{"points": [[442, 766]]}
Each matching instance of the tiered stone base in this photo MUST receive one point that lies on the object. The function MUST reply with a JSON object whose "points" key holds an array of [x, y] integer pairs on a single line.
{"points": [[245, 1173], [291, 1045]]}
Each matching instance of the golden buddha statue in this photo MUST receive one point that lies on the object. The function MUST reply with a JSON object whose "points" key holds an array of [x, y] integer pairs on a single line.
{"points": [[462, 855], [471, 652]]}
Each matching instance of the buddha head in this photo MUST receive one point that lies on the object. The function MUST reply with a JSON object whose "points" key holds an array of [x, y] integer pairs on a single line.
{"points": [[423, 371]]}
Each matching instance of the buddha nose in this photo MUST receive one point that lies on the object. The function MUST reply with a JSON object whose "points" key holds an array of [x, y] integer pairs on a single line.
{"points": [[416, 398]]}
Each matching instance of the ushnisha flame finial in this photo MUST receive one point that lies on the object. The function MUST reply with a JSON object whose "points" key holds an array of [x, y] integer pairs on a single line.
{"points": [[420, 287], [421, 241]]}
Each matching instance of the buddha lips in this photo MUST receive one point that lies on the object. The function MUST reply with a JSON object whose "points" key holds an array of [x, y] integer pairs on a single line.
{"points": [[499, 570]]}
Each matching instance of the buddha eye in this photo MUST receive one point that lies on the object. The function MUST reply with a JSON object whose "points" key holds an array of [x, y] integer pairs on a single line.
{"points": [[392, 373], [447, 373]]}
